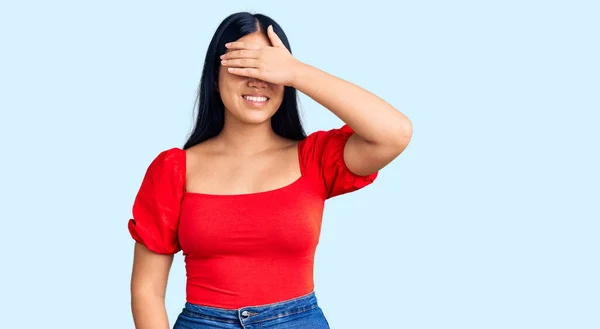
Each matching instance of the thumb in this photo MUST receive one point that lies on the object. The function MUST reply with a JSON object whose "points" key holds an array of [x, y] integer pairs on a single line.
{"points": [[274, 37]]}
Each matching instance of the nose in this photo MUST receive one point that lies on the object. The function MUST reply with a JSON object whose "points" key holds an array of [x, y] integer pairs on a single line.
{"points": [[253, 82]]}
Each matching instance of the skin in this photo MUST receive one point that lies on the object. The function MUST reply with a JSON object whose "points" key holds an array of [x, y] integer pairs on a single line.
{"points": [[381, 131], [248, 157], [148, 286]]}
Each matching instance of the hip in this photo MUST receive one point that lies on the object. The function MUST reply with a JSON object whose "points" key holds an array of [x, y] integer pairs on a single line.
{"points": [[299, 312]]}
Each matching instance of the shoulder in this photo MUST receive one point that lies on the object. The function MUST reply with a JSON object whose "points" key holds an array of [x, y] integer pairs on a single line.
{"points": [[174, 156], [323, 134], [168, 166], [323, 159], [156, 206], [319, 140]]}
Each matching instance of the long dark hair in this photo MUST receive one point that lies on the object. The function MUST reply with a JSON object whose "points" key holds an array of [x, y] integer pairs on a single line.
{"points": [[210, 115]]}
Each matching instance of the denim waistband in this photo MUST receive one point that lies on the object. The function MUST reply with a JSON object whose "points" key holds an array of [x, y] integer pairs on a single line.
{"points": [[256, 313]]}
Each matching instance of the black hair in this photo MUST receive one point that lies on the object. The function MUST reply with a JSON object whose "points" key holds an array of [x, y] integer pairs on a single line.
{"points": [[210, 116]]}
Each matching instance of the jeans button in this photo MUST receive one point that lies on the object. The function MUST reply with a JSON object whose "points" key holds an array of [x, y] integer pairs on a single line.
{"points": [[245, 314]]}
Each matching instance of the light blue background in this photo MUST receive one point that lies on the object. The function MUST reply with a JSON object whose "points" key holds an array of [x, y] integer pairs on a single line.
{"points": [[489, 219]]}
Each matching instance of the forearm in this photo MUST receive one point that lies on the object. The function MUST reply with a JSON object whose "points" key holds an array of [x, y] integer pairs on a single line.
{"points": [[149, 312], [369, 116]]}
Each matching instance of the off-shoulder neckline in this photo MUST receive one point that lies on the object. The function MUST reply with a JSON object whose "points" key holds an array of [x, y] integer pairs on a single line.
{"points": [[299, 147]]}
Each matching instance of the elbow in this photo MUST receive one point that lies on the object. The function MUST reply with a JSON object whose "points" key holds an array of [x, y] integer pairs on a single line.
{"points": [[402, 136], [393, 137]]}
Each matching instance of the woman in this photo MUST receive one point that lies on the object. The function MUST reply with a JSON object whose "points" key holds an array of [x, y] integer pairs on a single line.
{"points": [[243, 199]]}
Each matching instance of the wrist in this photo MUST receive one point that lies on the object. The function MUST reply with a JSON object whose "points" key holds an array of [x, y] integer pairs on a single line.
{"points": [[299, 74]]}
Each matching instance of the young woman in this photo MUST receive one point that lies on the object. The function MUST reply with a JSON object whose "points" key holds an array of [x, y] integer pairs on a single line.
{"points": [[243, 199]]}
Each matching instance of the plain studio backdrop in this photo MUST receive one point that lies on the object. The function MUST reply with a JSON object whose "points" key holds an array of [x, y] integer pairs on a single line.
{"points": [[489, 219]]}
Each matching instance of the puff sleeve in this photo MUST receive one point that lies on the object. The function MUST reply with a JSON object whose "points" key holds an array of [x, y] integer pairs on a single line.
{"points": [[322, 158], [158, 201]]}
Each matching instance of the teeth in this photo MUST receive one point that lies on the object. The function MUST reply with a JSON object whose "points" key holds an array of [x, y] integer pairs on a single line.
{"points": [[256, 99]]}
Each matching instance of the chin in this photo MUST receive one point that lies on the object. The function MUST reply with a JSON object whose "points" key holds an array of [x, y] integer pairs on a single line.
{"points": [[255, 118], [252, 114]]}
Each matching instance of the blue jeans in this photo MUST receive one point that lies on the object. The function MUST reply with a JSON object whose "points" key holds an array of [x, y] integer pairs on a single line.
{"points": [[297, 313]]}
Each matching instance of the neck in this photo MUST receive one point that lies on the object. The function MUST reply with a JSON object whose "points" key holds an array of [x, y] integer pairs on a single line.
{"points": [[242, 138]]}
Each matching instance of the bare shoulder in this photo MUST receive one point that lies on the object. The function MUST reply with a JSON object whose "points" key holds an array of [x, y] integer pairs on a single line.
{"points": [[201, 150], [289, 144]]}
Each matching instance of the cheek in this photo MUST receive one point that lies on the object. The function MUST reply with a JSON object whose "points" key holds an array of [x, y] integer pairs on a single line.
{"points": [[228, 87], [279, 97], [224, 80], [277, 92], [276, 104]]}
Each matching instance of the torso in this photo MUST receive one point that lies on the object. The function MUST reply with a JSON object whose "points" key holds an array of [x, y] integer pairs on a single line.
{"points": [[249, 226]]}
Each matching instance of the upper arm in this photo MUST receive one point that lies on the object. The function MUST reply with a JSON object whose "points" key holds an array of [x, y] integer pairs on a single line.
{"points": [[323, 154], [364, 158], [150, 271], [157, 204]]}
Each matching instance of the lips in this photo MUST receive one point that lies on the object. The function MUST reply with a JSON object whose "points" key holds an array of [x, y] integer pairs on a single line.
{"points": [[255, 101]]}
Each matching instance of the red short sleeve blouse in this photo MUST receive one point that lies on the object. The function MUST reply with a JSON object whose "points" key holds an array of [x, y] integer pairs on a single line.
{"points": [[244, 249]]}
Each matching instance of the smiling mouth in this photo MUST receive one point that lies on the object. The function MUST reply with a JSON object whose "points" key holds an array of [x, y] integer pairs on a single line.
{"points": [[255, 101]]}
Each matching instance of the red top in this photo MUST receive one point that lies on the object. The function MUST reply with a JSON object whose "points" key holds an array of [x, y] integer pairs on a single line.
{"points": [[244, 249]]}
